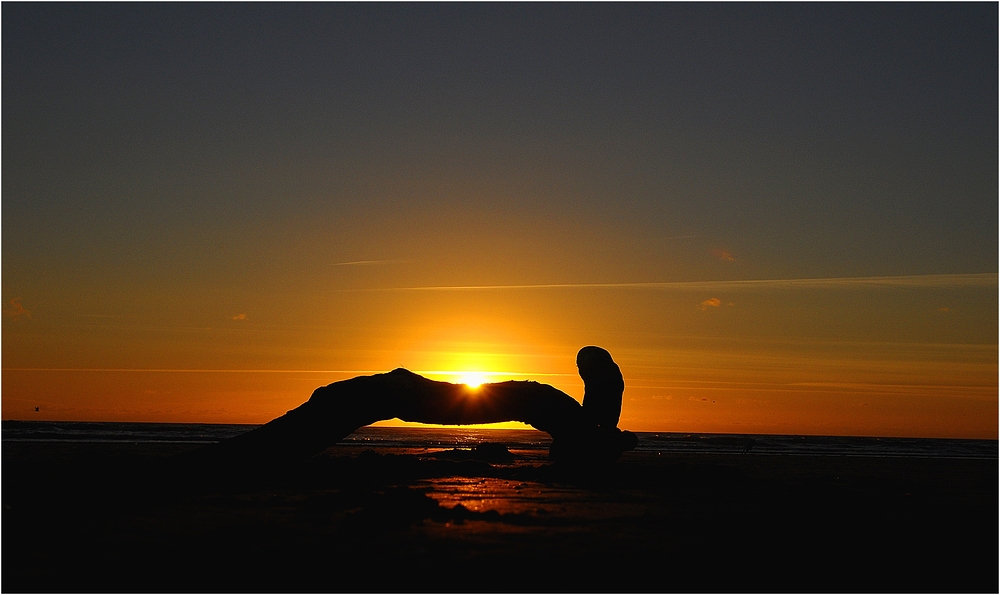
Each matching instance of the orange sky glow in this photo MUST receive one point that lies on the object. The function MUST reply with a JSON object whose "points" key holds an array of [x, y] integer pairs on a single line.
{"points": [[835, 357], [778, 218]]}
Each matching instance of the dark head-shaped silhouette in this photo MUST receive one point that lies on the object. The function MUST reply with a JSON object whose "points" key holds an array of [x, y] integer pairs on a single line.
{"points": [[603, 386]]}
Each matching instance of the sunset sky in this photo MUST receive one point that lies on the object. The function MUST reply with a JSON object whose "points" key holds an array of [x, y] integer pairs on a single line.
{"points": [[778, 218]]}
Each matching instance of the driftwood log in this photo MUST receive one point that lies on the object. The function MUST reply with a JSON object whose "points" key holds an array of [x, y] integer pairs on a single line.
{"points": [[585, 433]]}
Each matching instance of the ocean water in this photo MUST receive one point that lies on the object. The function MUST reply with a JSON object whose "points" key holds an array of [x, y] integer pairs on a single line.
{"points": [[445, 438]]}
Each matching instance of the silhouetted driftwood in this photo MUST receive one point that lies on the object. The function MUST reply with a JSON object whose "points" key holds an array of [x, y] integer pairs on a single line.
{"points": [[333, 412], [603, 386]]}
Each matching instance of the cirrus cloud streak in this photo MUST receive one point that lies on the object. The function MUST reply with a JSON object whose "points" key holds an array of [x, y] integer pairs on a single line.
{"points": [[970, 280]]}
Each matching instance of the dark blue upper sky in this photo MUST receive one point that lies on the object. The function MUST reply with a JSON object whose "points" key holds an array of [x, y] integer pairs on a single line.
{"points": [[806, 140]]}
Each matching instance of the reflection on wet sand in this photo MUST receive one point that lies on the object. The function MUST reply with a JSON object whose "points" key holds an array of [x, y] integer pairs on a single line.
{"points": [[534, 499]]}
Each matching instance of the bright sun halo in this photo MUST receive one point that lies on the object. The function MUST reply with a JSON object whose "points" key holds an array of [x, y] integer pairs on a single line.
{"points": [[472, 379]]}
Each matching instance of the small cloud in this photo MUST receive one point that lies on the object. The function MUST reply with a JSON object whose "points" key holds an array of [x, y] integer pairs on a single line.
{"points": [[16, 310], [240, 317], [943, 309], [353, 263], [723, 255], [701, 399], [710, 303]]}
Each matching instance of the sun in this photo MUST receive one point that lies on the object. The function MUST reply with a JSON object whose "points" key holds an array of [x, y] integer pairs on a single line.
{"points": [[471, 379]]}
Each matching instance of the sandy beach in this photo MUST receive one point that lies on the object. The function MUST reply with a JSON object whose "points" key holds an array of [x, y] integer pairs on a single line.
{"points": [[121, 517]]}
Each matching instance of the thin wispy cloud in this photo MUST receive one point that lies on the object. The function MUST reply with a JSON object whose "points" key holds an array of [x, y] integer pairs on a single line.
{"points": [[365, 263], [240, 317], [723, 255], [970, 280], [493, 375]]}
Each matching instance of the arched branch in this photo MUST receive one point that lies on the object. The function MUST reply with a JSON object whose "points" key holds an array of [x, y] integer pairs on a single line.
{"points": [[335, 411]]}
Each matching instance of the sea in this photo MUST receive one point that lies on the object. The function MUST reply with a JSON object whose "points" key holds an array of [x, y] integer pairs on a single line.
{"points": [[433, 438]]}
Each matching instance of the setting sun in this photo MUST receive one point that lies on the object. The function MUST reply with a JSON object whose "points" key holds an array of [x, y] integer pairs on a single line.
{"points": [[472, 379]]}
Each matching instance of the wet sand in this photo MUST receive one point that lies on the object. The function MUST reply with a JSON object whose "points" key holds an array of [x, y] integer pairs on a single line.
{"points": [[104, 517]]}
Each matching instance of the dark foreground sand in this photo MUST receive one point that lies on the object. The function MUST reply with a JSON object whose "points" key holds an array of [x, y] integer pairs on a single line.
{"points": [[93, 517]]}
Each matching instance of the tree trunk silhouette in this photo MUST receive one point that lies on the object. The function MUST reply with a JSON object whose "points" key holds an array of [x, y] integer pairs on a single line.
{"points": [[335, 411]]}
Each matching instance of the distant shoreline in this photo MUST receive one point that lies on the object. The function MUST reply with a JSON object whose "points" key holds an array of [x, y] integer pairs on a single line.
{"points": [[464, 437], [421, 427]]}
